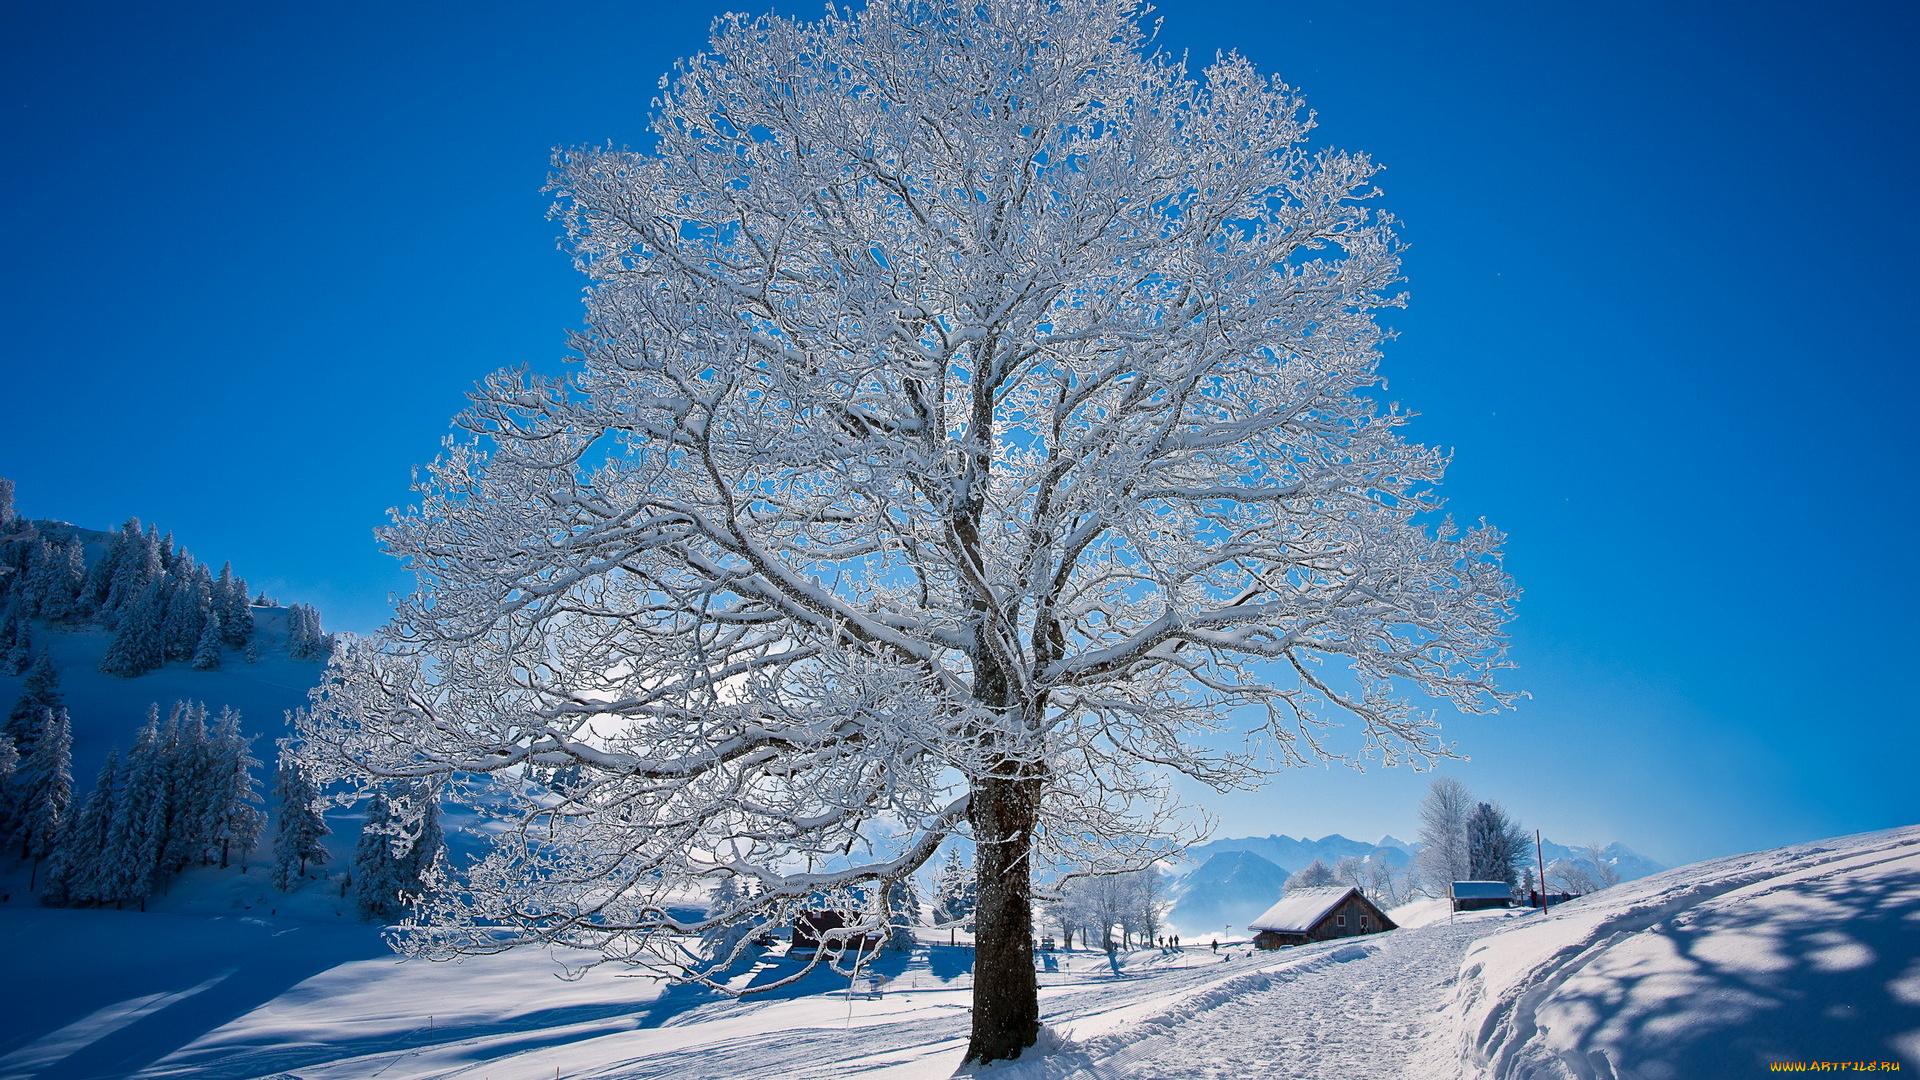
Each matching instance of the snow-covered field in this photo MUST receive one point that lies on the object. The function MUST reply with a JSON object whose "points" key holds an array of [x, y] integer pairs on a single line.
{"points": [[1808, 953], [1802, 954]]}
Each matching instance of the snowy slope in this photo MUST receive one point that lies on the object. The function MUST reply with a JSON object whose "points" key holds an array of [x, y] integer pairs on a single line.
{"points": [[1806, 953]]}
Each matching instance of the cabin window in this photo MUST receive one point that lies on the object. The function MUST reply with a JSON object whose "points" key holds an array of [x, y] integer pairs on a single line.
{"points": [[1340, 921], [1363, 924]]}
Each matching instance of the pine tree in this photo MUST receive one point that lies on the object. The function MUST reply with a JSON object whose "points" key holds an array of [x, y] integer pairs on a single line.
{"points": [[187, 602], [40, 692], [65, 601], [38, 580], [305, 641], [7, 514], [99, 579], [236, 614], [236, 819], [138, 568], [47, 791], [138, 644], [132, 852], [78, 872], [954, 891], [206, 653], [298, 825], [393, 858], [1495, 844], [903, 913], [190, 790], [16, 637]]}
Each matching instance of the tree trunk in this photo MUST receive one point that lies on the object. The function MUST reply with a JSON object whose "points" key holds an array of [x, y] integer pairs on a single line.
{"points": [[1006, 996]]}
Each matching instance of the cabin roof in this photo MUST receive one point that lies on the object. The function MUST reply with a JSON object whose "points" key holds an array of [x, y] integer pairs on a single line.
{"points": [[1299, 910], [1482, 890]]}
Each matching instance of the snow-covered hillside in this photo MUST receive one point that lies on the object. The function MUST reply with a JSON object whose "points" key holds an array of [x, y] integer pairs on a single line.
{"points": [[1805, 953]]}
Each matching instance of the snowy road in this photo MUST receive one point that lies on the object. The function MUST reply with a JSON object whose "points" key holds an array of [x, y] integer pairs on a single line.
{"points": [[1367, 1013]]}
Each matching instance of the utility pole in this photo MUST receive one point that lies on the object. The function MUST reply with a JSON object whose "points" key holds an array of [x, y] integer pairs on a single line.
{"points": [[1541, 859]]}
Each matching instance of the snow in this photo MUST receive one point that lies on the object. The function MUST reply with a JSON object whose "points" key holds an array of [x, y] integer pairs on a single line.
{"points": [[1807, 953], [1296, 912], [1804, 953]]}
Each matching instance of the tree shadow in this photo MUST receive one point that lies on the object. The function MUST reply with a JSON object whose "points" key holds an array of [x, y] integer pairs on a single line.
{"points": [[1801, 972]]}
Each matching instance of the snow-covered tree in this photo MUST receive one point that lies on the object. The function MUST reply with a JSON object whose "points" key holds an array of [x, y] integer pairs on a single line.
{"points": [[1443, 857], [305, 639], [39, 694], [16, 638], [188, 601], [903, 914], [1314, 875], [1606, 872], [1495, 845], [206, 652], [236, 613], [954, 890], [7, 513], [299, 824], [138, 830], [45, 787], [394, 856], [78, 873], [975, 409], [138, 644], [234, 819]]}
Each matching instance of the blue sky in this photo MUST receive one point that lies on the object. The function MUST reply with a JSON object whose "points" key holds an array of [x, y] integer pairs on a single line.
{"points": [[254, 255]]}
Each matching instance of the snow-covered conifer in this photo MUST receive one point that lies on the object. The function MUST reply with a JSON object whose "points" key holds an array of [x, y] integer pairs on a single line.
{"points": [[188, 600], [64, 600], [135, 573], [78, 873], [206, 652], [39, 693], [903, 913], [298, 823], [138, 831], [46, 785], [394, 856], [236, 613], [16, 638], [1495, 845], [45, 788], [7, 513], [305, 641], [138, 646], [954, 890], [235, 817]]}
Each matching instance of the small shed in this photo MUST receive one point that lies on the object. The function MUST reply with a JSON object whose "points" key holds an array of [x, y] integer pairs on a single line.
{"points": [[1305, 915], [1479, 895], [811, 930]]}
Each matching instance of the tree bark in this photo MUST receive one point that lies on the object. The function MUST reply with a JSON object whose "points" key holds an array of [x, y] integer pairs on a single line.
{"points": [[1006, 995]]}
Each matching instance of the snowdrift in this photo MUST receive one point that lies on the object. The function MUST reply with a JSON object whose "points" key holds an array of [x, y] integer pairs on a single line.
{"points": [[1808, 953]]}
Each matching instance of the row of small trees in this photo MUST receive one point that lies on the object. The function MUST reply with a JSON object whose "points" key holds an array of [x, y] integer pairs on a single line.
{"points": [[1108, 911]]}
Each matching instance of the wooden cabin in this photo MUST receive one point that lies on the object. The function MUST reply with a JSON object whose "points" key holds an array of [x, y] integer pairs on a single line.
{"points": [[1480, 895], [1305, 915], [810, 932]]}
